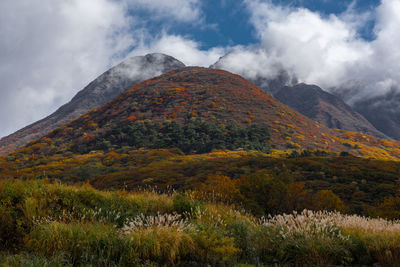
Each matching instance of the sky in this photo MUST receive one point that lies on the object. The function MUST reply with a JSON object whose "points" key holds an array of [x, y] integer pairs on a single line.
{"points": [[51, 49]]}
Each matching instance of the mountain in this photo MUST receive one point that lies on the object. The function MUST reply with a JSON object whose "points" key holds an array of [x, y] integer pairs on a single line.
{"points": [[100, 91], [179, 128], [383, 112], [310, 100], [190, 94], [198, 110], [325, 108]]}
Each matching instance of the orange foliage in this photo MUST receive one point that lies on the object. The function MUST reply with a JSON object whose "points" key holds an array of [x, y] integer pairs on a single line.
{"points": [[131, 118]]}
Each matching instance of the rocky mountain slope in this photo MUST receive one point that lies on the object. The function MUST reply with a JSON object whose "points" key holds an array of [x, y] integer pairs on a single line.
{"points": [[325, 108], [100, 91]]}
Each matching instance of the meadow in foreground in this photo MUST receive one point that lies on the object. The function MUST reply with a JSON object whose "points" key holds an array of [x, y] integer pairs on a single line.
{"points": [[47, 224]]}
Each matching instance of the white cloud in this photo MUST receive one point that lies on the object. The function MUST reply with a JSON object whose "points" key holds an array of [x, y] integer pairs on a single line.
{"points": [[182, 10], [184, 49], [252, 63], [317, 49]]}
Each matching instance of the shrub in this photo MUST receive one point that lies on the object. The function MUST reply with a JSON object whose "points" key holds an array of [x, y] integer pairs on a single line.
{"points": [[212, 248], [183, 205]]}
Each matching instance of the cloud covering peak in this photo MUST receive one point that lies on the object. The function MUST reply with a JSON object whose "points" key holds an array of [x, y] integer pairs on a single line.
{"points": [[324, 50]]}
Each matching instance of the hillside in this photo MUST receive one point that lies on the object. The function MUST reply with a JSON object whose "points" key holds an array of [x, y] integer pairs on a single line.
{"points": [[325, 108], [360, 184], [100, 91]]}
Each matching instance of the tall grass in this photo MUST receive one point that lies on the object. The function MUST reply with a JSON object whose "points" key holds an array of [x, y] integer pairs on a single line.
{"points": [[95, 243], [44, 224]]}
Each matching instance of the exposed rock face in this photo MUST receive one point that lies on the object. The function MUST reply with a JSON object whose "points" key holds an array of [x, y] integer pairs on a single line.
{"points": [[100, 91]]}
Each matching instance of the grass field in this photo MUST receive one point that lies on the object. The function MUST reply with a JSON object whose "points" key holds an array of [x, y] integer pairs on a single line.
{"points": [[45, 224]]}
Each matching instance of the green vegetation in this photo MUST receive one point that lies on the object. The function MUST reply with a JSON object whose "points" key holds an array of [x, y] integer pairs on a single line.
{"points": [[196, 136], [44, 224]]}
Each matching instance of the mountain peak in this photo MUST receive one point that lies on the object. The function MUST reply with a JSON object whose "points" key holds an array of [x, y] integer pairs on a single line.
{"points": [[100, 91], [152, 64]]}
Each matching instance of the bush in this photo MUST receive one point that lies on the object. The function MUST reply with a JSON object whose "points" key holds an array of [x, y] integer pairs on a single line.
{"points": [[214, 249]]}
